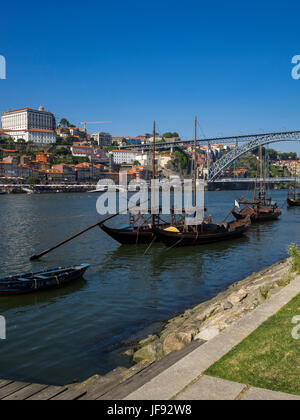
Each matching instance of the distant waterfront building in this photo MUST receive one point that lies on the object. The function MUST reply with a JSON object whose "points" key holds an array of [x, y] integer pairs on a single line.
{"points": [[103, 139], [81, 150], [124, 156], [30, 125], [117, 140], [132, 140]]}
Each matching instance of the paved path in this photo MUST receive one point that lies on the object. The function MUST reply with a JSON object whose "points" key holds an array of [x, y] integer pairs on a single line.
{"points": [[185, 378]]}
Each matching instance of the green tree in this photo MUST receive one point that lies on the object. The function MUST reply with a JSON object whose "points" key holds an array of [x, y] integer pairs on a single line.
{"points": [[169, 135], [33, 181], [64, 122]]}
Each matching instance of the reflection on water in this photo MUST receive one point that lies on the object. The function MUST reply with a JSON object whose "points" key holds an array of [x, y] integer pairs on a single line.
{"points": [[47, 297], [68, 334]]}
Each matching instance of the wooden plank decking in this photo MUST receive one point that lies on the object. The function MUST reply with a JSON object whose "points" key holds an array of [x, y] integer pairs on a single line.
{"points": [[116, 385]]}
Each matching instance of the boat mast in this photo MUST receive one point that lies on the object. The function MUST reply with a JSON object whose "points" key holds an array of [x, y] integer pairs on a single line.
{"points": [[195, 165], [295, 191], [153, 171], [256, 180]]}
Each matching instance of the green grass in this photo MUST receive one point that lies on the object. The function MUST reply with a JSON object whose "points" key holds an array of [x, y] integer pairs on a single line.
{"points": [[294, 252], [269, 358]]}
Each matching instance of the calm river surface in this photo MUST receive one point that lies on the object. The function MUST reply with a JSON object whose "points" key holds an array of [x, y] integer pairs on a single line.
{"points": [[69, 334]]}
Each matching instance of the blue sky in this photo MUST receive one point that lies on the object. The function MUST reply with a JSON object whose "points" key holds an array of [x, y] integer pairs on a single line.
{"points": [[132, 62]]}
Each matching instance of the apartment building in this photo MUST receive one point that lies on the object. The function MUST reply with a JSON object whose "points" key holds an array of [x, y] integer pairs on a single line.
{"points": [[29, 124]]}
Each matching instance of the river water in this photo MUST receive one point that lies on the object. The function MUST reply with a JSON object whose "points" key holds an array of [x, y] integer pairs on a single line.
{"points": [[68, 334]]}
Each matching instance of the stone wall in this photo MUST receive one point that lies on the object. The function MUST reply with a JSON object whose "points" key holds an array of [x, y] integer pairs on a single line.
{"points": [[206, 320]]}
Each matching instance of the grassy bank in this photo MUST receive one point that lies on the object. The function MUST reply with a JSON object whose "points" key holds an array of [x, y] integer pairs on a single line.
{"points": [[269, 357]]}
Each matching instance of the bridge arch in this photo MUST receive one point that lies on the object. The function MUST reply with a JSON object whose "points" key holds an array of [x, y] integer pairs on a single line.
{"points": [[218, 168]]}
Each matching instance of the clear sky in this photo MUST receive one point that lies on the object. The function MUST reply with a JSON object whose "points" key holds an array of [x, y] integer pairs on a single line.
{"points": [[131, 62]]}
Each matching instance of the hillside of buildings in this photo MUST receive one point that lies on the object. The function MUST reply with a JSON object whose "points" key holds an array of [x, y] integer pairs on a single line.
{"points": [[34, 148]]}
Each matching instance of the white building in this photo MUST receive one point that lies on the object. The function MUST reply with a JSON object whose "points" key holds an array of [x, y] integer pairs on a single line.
{"points": [[125, 156], [29, 124], [150, 139]]}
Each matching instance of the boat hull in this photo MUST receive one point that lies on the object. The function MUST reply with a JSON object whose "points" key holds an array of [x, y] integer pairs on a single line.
{"points": [[293, 203], [259, 216], [172, 239], [19, 285], [130, 237]]}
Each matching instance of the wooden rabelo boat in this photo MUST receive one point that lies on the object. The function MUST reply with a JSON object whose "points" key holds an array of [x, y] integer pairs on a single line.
{"points": [[293, 198], [138, 231], [261, 208], [33, 282], [140, 227], [205, 232]]}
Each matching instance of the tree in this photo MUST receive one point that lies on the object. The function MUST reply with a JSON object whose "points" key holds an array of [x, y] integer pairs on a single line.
{"points": [[169, 135], [64, 122], [33, 181], [136, 163]]}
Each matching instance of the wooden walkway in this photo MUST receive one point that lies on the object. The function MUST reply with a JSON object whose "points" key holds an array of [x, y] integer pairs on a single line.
{"points": [[116, 385]]}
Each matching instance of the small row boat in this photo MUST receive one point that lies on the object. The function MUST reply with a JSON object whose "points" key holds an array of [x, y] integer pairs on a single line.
{"points": [[33, 282]]}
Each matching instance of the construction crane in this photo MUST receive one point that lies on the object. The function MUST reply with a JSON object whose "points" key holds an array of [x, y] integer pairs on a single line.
{"points": [[97, 122]]}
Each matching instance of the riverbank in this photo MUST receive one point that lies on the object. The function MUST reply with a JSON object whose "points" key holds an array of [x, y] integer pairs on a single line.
{"points": [[208, 319], [46, 189], [184, 374], [13, 188]]}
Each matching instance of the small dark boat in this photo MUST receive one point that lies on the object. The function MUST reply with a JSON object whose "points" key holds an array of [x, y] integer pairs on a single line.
{"points": [[202, 234], [293, 198], [294, 201], [33, 282]]}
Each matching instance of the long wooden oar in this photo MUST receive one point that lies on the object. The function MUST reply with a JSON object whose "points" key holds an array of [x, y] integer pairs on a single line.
{"points": [[36, 257]]}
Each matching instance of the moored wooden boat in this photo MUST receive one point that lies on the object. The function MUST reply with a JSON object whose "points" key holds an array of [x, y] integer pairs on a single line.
{"points": [[33, 282], [293, 198], [258, 211], [293, 202], [139, 231], [202, 234], [261, 208], [130, 235]]}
